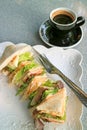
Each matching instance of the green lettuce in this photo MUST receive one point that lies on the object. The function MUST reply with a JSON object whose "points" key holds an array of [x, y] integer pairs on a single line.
{"points": [[24, 86], [20, 89], [20, 73], [32, 95], [25, 56], [53, 117], [8, 68], [48, 83], [49, 92]]}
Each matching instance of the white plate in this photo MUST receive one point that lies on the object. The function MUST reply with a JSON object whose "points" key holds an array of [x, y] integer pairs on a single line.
{"points": [[14, 114]]}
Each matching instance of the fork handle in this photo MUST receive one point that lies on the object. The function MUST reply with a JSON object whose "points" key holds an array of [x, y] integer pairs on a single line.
{"points": [[78, 91]]}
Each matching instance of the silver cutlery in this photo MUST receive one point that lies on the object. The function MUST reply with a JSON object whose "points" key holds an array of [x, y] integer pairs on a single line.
{"points": [[50, 68]]}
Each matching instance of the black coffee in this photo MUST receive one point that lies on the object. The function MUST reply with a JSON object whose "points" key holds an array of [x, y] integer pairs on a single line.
{"points": [[63, 19]]}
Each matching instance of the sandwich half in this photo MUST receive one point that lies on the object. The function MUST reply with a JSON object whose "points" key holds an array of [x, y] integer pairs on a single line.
{"points": [[49, 103]]}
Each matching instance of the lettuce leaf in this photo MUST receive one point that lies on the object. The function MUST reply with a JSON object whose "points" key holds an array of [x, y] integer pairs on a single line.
{"points": [[49, 92], [31, 97], [19, 74], [48, 83], [50, 116], [9, 69], [25, 56], [23, 86]]}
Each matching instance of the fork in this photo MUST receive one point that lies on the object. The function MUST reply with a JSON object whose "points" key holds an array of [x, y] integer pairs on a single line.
{"points": [[50, 68]]}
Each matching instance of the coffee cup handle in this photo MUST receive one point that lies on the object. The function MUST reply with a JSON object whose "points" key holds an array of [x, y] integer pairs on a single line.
{"points": [[80, 21]]}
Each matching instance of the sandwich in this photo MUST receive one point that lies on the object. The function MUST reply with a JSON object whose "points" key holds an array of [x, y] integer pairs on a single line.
{"points": [[52, 108], [49, 102], [46, 97], [12, 56]]}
